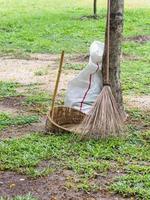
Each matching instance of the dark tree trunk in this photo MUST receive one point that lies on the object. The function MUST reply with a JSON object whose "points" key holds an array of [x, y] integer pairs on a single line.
{"points": [[116, 29], [95, 7]]}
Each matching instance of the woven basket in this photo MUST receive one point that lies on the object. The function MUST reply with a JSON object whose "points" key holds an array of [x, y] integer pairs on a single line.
{"points": [[64, 120]]}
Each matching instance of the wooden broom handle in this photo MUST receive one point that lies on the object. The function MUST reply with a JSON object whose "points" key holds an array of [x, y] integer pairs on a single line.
{"points": [[108, 42], [56, 84]]}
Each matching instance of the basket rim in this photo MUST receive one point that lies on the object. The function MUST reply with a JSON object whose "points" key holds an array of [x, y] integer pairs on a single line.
{"points": [[68, 108], [57, 125]]}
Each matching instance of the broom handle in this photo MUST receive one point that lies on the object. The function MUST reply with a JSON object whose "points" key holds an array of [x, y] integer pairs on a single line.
{"points": [[108, 42], [56, 84]]}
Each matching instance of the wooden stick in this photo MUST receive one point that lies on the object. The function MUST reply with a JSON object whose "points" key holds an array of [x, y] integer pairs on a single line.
{"points": [[108, 42], [106, 54], [56, 84]]}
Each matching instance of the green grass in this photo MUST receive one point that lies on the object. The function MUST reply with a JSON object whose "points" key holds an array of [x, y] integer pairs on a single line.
{"points": [[74, 66], [41, 72], [34, 27], [139, 169], [37, 101], [135, 71], [7, 120], [38, 98], [45, 27], [27, 197], [133, 185], [135, 78], [139, 50], [88, 167], [84, 158], [87, 159], [8, 89], [138, 121]]}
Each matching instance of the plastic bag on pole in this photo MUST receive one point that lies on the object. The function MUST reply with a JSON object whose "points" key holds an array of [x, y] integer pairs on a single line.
{"points": [[87, 85]]}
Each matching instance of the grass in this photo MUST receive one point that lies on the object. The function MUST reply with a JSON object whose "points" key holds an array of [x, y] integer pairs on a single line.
{"points": [[51, 28], [38, 98], [139, 50], [41, 72], [39, 28], [8, 89], [135, 78], [133, 185], [37, 101], [34, 99], [139, 169], [74, 66], [138, 120], [7, 120], [85, 158], [26, 197], [43, 26]]}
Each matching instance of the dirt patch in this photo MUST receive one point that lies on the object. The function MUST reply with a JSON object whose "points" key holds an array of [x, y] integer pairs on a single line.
{"points": [[11, 111], [126, 56], [38, 69], [139, 38], [23, 71], [140, 102], [55, 57], [87, 17], [139, 125], [20, 131], [47, 188], [12, 103], [44, 57], [77, 58]]}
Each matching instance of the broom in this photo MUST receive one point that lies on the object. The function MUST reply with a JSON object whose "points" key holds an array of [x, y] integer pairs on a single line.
{"points": [[56, 84], [105, 118]]}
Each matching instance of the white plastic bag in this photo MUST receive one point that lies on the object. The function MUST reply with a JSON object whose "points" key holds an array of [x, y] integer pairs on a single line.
{"points": [[85, 87]]}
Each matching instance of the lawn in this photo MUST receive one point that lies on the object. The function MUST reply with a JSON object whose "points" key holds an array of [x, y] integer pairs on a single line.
{"points": [[114, 167], [42, 26]]}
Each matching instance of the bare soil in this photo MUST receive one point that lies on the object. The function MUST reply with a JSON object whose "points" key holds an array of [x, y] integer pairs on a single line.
{"points": [[140, 102], [126, 56], [139, 38], [12, 103], [20, 131], [51, 187], [23, 71]]}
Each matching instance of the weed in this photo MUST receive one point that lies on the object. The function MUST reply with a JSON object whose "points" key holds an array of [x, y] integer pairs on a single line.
{"points": [[7, 120], [41, 72], [36, 172], [88, 167], [139, 169], [136, 185], [8, 89], [135, 77], [38, 98], [74, 66], [27, 197], [86, 159]]}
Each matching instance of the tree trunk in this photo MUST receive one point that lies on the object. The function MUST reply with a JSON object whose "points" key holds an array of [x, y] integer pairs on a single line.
{"points": [[95, 7], [116, 29]]}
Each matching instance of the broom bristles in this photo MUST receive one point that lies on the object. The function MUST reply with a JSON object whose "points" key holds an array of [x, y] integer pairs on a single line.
{"points": [[104, 119]]}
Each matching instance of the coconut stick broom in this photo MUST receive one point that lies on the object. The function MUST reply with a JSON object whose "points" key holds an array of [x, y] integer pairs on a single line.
{"points": [[105, 118], [51, 113]]}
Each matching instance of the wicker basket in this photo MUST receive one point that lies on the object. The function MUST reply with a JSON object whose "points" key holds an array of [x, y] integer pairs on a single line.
{"points": [[64, 120]]}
